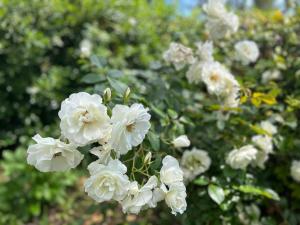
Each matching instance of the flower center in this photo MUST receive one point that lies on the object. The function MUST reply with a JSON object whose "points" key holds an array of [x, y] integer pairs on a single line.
{"points": [[214, 77], [130, 127], [85, 117]]}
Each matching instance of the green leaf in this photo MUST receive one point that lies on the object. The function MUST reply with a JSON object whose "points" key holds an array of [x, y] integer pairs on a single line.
{"points": [[154, 140], [35, 208], [97, 61], [216, 193], [156, 163], [201, 181], [118, 86], [92, 78], [114, 73], [259, 130], [249, 189], [158, 111], [172, 114]]}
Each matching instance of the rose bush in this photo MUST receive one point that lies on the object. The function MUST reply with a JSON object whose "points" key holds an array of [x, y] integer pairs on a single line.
{"points": [[222, 99]]}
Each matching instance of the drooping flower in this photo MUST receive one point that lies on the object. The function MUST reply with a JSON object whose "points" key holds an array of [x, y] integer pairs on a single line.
{"points": [[269, 127], [175, 197], [170, 171], [49, 155], [247, 51], [205, 51], [195, 162], [107, 181], [218, 79], [84, 119], [295, 170], [179, 55], [137, 197], [181, 141], [130, 125], [241, 158]]}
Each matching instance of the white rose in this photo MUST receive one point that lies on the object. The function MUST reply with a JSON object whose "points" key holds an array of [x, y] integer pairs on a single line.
{"points": [[181, 141], [269, 127], [214, 8], [130, 125], [222, 26], [241, 158], [50, 154], [295, 170], [220, 23], [175, 197], [218, 80], [194, 72], [137, 198], [270, 75], [170, 171], [196, 161], [107, 181], [263, 142], [247, 51], [205, 51], [179, 55], [84, 119]]}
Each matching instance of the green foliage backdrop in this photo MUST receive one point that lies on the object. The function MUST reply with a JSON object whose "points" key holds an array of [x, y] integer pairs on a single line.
{"points": [[41, 64]]}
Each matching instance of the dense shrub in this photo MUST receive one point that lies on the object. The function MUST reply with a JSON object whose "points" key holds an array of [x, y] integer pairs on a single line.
{"points": [[42, 62]]}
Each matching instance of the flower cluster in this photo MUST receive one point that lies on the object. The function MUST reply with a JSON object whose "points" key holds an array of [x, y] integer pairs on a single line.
{"points": [[220, 22], [85, 121], [218, 80], [256, 153], [202, 67]]}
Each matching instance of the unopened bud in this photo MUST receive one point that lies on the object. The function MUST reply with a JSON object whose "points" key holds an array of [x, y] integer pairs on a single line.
{"points": [[181, 142], [107, 94], [126, 95], [147, 158]]}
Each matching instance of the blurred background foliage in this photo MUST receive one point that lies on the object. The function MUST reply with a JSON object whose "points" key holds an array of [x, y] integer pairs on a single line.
{"points": [[49, 49]]}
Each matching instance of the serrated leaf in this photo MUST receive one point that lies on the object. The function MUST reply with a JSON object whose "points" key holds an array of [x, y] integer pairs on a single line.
{"points": [[216, 193]]}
